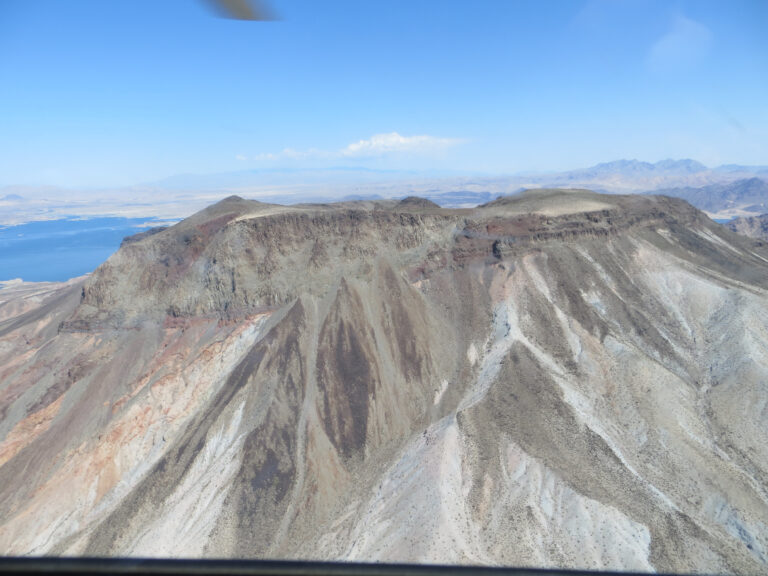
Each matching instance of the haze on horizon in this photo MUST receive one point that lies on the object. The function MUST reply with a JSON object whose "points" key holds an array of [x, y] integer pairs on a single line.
{"points": [[125, 92]]}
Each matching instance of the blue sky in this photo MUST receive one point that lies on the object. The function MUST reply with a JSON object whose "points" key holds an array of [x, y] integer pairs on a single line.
{"points": [[119, 92]]}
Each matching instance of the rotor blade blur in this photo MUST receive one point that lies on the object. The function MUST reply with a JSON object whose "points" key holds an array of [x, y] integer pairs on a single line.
{"points": [[243, 9]]}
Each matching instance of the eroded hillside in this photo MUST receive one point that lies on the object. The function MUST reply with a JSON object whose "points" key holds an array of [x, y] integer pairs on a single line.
{"points": [[556, 379]]}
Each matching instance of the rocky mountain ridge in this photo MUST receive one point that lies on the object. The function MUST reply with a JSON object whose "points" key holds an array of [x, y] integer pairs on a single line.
{"points": [[557, 379], [743, 197], [752, 226], [238, 256]]}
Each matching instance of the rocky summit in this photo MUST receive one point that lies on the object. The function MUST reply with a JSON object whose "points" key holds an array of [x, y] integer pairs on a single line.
{"points": [[555, 379]]}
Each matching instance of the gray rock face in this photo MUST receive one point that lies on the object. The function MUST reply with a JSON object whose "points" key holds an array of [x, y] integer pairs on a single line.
{"points": [[557, 379], [744, 197], [752, 226]]}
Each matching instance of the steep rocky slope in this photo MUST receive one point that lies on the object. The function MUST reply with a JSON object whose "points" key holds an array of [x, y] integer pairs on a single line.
{"points": [[752, 226], [557, 379], [744, 197]]}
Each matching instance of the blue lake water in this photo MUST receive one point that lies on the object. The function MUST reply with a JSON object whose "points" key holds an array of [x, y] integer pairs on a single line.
{"points": [[57, 250]]}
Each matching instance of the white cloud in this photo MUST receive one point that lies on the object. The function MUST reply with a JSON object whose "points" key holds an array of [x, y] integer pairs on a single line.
{"points": [[376, 146], [685, 44], [241, 157], [380, 144]]}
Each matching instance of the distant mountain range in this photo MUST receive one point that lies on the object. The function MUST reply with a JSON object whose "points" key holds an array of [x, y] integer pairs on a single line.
{"points": [[686, 166], [616, 176], [626, 176], [724, 192], [740, 168], [747, 196]]}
